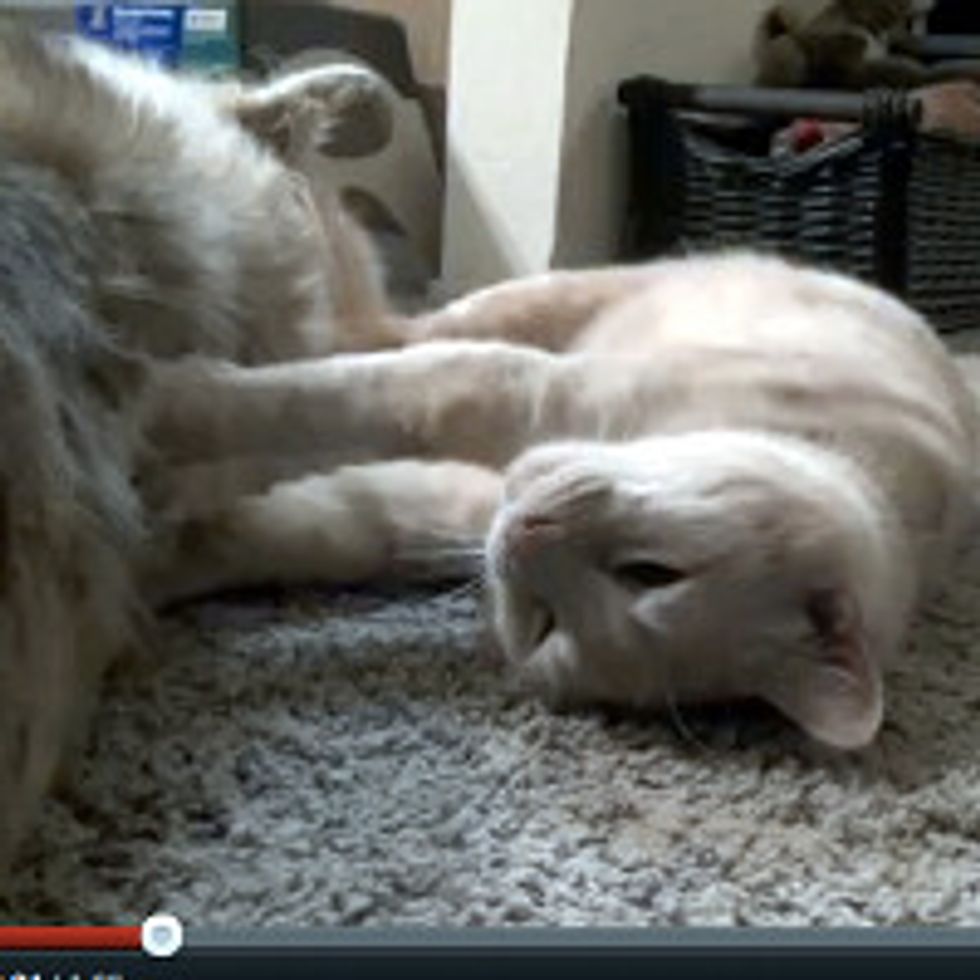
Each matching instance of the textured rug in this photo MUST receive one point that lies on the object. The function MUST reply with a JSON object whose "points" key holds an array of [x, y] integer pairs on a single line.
{"points": [[361, 759]]}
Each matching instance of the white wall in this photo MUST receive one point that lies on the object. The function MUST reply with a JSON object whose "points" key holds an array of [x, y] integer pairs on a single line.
{"points": [[536, 161], [682, 40], [505, 120]]}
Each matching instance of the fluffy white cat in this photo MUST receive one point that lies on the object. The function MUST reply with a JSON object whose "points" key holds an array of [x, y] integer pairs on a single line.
{"points": [[711, 478], [142, 216]]}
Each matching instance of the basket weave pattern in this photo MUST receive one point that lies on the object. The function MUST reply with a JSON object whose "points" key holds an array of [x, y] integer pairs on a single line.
{"points": [[887, 204]]}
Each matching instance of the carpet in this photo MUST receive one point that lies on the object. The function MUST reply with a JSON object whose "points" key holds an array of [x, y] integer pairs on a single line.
{"points": [[361, 759]]}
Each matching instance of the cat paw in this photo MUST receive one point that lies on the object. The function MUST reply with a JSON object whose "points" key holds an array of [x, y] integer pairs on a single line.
{"points": [[341, 110]]}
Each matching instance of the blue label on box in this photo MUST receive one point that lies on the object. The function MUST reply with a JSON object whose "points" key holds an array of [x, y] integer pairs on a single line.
{"points": [[155, 32]]}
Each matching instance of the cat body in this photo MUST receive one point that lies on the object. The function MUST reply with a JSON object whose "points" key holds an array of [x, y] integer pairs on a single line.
{"points": [[720, 477], [205, 240], [141, 217], [716, 477]]}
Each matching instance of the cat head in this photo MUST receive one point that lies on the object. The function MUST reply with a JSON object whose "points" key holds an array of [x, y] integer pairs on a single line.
{"points": [[701, 567]]}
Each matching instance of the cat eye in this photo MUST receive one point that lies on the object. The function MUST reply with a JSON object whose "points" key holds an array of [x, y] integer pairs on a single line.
{"points": [[647, 575]]}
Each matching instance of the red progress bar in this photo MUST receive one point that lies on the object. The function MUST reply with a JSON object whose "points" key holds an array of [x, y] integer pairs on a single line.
{"points": [[69, 938]]}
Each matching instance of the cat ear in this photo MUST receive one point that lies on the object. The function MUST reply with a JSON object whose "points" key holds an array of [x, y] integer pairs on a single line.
{"points": [[832, 687]]}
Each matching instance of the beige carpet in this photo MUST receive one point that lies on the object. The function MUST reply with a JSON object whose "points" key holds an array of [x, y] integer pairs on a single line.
{"points": [[356, 759]]}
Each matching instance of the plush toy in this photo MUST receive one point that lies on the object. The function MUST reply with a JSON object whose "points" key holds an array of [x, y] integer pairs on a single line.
{"points": [[844, 44]]}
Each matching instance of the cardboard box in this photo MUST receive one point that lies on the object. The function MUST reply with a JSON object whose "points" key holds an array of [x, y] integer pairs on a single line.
{"points": [[201, 37]]}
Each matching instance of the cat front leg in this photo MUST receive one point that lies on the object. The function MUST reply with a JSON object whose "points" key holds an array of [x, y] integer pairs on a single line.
{"points": [[551, 311], [480, 403], [404, 520]]}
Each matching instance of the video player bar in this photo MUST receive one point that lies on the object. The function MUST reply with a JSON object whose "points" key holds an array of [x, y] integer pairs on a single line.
{"points": [[71, 938], [156, 951], [159, 936]]}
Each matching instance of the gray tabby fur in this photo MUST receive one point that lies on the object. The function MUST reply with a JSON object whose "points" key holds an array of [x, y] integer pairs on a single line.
{"points": [[139, 219]]}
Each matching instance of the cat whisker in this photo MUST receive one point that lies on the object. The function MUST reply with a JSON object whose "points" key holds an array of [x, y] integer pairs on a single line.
{"points": [[472, 588], [473, 550], [681, 728], [442, 562]]}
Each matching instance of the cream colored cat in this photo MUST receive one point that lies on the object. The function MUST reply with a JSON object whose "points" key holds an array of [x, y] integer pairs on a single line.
{"points": [[720, 477]]}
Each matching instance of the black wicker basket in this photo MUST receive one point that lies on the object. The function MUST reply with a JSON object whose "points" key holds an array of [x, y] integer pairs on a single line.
{"points": [[888, 204]]}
